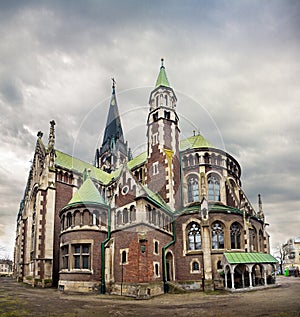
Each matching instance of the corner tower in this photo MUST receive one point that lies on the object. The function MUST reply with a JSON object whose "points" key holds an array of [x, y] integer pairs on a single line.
{"points": [[163, 164], [114, 150]]}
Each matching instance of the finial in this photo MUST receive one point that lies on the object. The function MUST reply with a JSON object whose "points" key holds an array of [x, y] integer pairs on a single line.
{"points": [[40, 134], [194, 132], [162, 62], [114, 84], [259, 199]]}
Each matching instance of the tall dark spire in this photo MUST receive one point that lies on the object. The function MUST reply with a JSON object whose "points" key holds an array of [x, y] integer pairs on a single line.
{"points": [[113, 130], [113, 151]]}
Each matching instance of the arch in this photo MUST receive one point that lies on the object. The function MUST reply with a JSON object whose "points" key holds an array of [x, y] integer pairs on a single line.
{"points": [[193, 232], [95, 219], [191, 160], [206, 158], [261, 241], [217, 235], [132, 211], [214, 188], [253, 239], [169, 266], [103, 218], [69, 220], [195, 266], [119, 217], [125, 215], [77, 218], [86, 217], [193, 188], [235, 235]]}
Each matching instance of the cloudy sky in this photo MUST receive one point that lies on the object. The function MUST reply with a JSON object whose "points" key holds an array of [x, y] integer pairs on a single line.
{"points": [[234, 65]]}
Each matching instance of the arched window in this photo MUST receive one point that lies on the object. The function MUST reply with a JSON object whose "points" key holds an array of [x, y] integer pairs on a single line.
{"points": [[235, 236], [213, 188], [132, 213], [69, 220], [253, 240], [193, 189], [195, 266], [124, 257], [125, 215], [261, 241], [194, 236], [156, 247], [217, 236], [154, 217]]}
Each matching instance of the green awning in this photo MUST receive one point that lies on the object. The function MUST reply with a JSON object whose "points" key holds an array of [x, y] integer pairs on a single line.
{"points": [[252, 257]]}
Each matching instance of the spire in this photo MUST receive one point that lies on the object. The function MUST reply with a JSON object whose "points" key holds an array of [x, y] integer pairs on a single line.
{"points": [[113, 129], [260, 208], [51, 139], [162, 79]]}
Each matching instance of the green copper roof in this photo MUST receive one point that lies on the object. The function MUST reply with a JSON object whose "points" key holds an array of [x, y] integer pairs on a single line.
{"points": [[140, 159], [87, 194], [194, 142], [156, 198], [240, 257], [71, 163], [162, 79]]}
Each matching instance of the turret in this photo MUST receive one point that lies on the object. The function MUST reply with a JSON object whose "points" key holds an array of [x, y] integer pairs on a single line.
{"points": [[163, 168]]}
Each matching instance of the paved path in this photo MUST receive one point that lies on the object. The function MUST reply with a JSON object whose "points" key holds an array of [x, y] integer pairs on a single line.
{"points": [[17, 299]]}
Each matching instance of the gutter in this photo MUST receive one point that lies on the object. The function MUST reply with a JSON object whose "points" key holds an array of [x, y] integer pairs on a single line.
{"points": [[164, 260], [103, 287]]}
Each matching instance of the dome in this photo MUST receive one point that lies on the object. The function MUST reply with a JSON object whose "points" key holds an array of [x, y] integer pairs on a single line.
{"points": [[194, 142]]}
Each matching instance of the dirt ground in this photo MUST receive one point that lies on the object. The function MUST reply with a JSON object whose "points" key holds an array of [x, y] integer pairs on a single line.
{"points": [[17, 299]]}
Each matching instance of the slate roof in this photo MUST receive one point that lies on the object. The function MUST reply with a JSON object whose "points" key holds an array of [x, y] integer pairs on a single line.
{"points": [[243, 258]]}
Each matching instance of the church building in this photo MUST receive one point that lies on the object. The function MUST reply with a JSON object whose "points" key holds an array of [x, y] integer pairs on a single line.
{"points": [[173, 217]]}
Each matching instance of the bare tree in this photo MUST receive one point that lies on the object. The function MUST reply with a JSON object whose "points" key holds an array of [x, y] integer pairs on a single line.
{"points": [[280, 254]]}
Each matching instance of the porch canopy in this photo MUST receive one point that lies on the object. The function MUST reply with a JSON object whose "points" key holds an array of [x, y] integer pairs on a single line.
{"points": [[238, 263]]}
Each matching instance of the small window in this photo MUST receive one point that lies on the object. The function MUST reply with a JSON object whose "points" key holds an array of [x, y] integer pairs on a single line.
{"points": [[167, 115], [155, 116], [156, 247], [124, 256], [219, 265], [195, 266], [155, 168], [156, 269]]}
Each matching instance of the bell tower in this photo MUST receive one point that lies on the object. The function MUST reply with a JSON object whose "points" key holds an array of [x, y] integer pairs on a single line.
{"points": [[163, 165]]}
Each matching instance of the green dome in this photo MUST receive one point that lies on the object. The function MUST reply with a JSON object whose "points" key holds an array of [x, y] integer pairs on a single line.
{"points": [[194, 142], [87, 194]]}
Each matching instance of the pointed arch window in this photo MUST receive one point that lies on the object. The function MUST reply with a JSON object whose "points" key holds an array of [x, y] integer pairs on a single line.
{"points": [[217, 236], [213, 188], [194, 236], [193, 189], [235, 236]]}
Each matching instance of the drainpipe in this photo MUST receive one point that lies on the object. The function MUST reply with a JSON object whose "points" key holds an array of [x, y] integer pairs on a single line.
{"points": [[103, 288], [166, 286]]}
